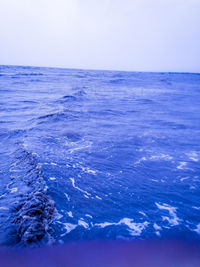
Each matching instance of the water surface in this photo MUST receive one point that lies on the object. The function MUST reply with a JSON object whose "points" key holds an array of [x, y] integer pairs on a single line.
{"points": [[98, 154]]}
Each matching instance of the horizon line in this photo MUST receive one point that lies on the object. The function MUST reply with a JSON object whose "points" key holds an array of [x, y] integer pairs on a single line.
{"points": [[88, 69]]}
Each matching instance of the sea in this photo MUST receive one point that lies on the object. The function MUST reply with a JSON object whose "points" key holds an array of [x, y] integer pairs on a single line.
{"points": [[90, 154]]}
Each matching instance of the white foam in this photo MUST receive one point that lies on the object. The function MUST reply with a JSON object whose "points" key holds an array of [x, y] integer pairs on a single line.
{"points": [[91, 171], [46, 188], [67, 196], [193, 156], [197, 229], [39, 166], [192, 187], [135, 229], [83, 146], [161, 157], [14, 190], [155, 180], [87, 170], [184, 178], [81, 190], [173, 220], [140, 160], [69, 213], [141, 212], [3, 195], [83, 223], [58, 216], [8, 185], [165, 157], [98, 197], [52, 178], [69, 227], [156, 227], [3, 208], [181, 165], [25, 145], [88, 215], [105, 224], [53, 163], [12, 169], [196, 208], [75, 149]]}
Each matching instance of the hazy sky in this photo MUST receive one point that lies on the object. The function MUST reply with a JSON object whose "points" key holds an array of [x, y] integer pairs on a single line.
{"points": [[148, 35]]}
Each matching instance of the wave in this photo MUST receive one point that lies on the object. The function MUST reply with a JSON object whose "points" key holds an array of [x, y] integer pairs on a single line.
{"points": [[30, 74], [117, 81], [58, 116], [75, 97]]}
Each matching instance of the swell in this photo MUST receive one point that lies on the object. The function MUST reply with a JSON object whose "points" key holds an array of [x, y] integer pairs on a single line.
{"points": [[58, 116], [32, 209]]}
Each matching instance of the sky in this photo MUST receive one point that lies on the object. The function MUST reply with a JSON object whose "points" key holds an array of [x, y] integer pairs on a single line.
{"points": [[133, 35]]}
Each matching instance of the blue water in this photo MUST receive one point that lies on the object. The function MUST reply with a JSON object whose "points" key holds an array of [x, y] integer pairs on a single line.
{"points": [[98, 155]]}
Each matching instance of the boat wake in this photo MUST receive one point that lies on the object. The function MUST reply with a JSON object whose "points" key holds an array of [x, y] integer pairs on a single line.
{"points": [[31, 208]]}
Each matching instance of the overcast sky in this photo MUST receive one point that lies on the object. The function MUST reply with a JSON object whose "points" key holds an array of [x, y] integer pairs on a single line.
{"points": [[140, 35]]}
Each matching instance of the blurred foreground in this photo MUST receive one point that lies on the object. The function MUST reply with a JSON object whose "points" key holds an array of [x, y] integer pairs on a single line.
{"points": [[107, 254]]}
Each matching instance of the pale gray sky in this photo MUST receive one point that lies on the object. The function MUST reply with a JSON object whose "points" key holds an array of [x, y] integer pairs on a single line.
{"points": [[141, 35]]}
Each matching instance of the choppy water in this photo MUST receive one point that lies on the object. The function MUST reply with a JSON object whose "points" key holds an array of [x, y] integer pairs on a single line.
{"points": [[98, 154]]}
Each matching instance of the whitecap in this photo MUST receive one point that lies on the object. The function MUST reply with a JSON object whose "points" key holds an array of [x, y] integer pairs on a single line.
{"points": [[184, 178], [69, 213], [181, 165], [156, 227], [83, 223], [135, 229], [53, 163], [193, 156], [98, 197], [88, 215], [14, 190], [155, 180], [140, 160], [173, 220], [197, 229], [69, 227]]}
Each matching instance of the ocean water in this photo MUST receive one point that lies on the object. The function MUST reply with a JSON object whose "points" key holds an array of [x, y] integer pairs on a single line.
{"points": [[98, 155]]}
